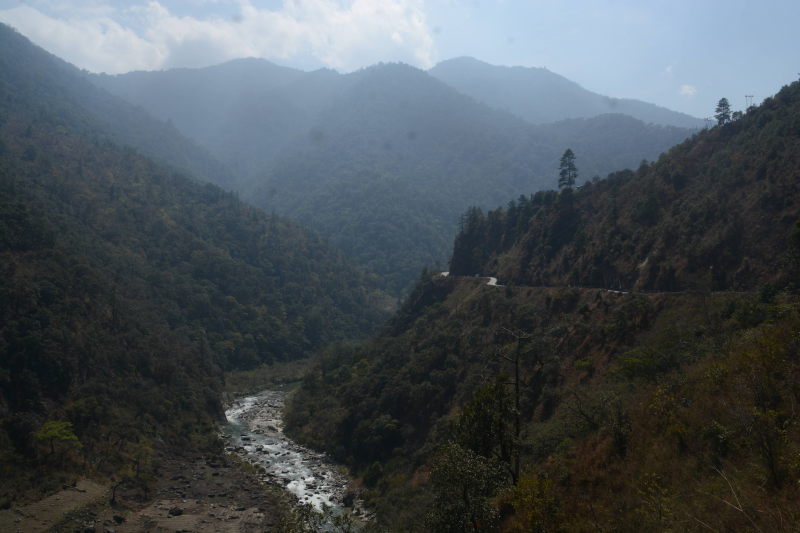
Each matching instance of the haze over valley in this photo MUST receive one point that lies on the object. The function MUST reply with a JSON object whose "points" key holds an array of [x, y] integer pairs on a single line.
{"points": [[336, 266], [383, 161]]}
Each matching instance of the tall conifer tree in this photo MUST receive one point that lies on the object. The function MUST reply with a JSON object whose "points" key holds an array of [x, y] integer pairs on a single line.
{"points": [[568, 172]]}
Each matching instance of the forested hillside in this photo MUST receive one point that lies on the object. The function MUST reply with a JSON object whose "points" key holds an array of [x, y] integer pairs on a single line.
{"points": [[33, 77], [715, 211], [388, 169], [571, 408], [382, 161], [245, 111], [539, 95], [127, 288]]}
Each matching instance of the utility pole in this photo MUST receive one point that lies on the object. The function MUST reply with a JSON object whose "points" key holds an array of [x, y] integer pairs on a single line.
{"points": [[749, 99]]}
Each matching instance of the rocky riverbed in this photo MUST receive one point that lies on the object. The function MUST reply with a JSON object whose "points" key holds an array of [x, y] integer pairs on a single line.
{"points": [[255, 432]]}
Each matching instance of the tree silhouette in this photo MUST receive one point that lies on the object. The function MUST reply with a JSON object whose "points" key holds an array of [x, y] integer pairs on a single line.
{"points": [[723, 112], [568, 172]]}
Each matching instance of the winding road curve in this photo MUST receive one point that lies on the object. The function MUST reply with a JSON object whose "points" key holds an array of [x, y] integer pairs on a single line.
{"points": [[492, 282]]}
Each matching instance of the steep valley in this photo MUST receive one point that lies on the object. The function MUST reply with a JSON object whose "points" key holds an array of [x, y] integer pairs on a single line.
{"points": [[381, 161], [620, 393], [633, 369], [127, 289], [622, 354]]}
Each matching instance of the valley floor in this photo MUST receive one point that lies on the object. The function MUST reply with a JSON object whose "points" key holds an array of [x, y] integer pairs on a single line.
{"points": [[44, 514], [198, 494]]}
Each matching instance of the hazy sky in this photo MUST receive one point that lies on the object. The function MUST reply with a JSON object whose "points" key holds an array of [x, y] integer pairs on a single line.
{"points": [[682, 54]]}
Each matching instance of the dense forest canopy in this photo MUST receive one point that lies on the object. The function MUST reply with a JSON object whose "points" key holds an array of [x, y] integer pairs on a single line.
{"points": [[635, 369], [716, 209], [383, 160], [34, 78], [631, 364], [128, 288]]}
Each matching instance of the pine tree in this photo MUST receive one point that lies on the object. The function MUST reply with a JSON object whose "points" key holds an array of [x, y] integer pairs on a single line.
{"points": [[568, 172], [723, 112]]}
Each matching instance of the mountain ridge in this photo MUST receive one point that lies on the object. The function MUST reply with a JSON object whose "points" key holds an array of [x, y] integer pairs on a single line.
{"points": [[128, 287], [539, 95], [686, 212], [624, 359], [398, 130], [323, 147], [30, 70]]}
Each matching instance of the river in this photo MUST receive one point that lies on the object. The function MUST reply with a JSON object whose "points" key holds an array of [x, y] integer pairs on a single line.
{"points": [[255, 431]]}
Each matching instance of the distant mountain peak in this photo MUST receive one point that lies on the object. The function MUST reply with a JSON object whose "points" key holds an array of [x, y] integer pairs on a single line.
{"points": [[393, 66], [539, 95], [483, 66], [345, 152], [463, 60]]}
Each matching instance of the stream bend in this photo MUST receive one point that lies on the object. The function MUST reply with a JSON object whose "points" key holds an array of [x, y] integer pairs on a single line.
{"points": [[255, 432]]}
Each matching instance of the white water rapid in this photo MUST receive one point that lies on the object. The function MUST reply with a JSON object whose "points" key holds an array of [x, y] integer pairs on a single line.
{"points": [[255, 431]]}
